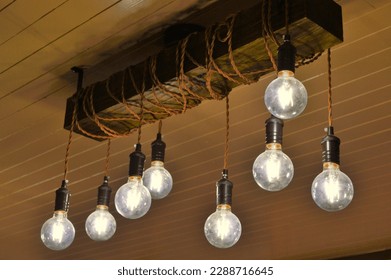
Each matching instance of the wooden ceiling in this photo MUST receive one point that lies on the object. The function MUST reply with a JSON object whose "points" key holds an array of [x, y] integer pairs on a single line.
{"points": [[41, 40]]}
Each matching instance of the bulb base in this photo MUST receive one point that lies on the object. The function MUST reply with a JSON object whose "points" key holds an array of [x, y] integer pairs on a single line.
{"points": [[136, 165], [224, 190], [104, 193], [62, 197], [223, 207], [330, 165], [158, 149], [273, 132], [286, 55], [330, 147]]}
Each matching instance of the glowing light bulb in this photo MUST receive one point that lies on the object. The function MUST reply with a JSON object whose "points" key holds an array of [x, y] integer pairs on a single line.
{"points": [[156, 178], [273, 170], [222, 228], [100, 224], [286, 97], [57, 233], [332, 190], [133, 199]]}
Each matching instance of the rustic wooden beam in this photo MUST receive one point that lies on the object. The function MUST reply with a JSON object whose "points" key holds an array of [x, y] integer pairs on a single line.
{"points": [[314, 25]]}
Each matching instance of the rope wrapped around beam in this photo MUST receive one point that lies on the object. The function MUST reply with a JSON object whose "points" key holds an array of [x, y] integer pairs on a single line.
{"points": [[204, 65]]}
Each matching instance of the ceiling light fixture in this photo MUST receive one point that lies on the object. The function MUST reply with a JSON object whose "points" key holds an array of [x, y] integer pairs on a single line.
{"points": [[111, 109], [223, 228], [273, 169], [286, 97], [156, 178], [100, 224], [58, 233], [332, 190]]}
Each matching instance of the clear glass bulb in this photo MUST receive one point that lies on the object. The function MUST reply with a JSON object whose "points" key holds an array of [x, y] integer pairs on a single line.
{"points": [[223, 228], [57, 233], [157, 180], [285, 97], [133, 199], [100, 224], [332, 190], [273, 170]]}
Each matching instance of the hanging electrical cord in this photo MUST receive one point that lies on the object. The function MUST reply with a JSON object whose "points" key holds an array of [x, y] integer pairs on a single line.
{"points": [[75, 99], [226, 146], [286, 17], [141, 102], [141, 118], [107, 157], [330, 101], [66, 161]]}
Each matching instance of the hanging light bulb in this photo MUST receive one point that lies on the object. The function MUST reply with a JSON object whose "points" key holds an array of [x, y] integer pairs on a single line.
{"points": [[332, 190], [57, 233], [273, 169], [156, 178], [286, 97], [133, 199], [100, 224], [223, 228]]}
